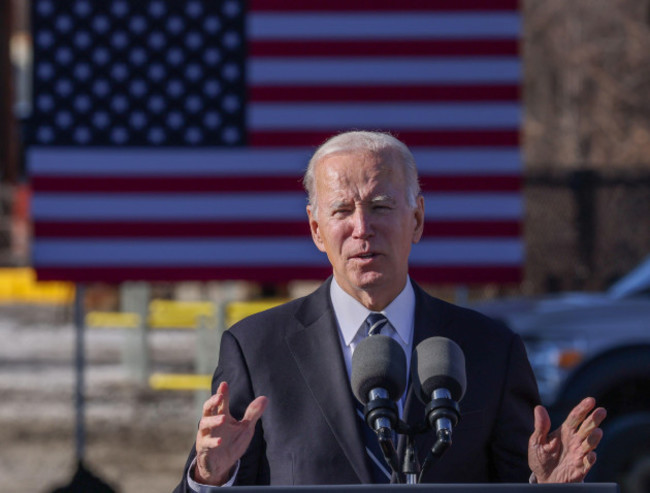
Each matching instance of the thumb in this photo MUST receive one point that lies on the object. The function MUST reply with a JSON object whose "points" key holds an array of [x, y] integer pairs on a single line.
{"points": [[255, 409], [542, 425]]}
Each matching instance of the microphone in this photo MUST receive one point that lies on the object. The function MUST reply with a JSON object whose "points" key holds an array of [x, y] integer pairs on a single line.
{"points": [[378, 380], [438, 373]]}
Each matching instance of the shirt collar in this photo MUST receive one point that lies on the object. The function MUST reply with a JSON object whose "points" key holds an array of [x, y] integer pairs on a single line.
{"points": [[351, 314]]}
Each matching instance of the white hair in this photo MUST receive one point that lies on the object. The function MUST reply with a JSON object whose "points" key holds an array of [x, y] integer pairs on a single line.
{"points": [[372, 142]]}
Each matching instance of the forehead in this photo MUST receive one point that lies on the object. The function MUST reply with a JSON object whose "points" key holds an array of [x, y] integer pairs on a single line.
{"points": [[358, 168]]}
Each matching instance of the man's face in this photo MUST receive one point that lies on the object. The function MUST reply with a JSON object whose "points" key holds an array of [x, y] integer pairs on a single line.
{"points": [[364, 223]]}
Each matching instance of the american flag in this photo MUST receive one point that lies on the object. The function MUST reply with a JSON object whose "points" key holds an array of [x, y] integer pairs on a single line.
{"points": [[168, 139]]}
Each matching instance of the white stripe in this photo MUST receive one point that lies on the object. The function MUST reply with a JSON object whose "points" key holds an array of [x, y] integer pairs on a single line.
{"points": [[405, 116], [256, 251], [246, 206], [377, 26], [366, 71], [158, 162], [136, 207], [53, 161], [464, 206], [469, 252]]}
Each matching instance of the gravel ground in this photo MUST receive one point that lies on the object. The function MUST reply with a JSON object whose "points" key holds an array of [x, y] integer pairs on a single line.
{"points": [[137, 439]]}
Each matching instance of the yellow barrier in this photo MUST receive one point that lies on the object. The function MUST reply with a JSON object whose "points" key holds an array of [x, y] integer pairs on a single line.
{"points": [[180, 381], [112, 320], [19, 285], [174, 314], [167, 314], [237, 310]]}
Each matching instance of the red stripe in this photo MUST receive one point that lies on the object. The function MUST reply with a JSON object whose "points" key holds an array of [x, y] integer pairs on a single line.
{"points": [[381, 5], [384, 93], [449, 274], [178, 184], [244, 229], [383, 48], [429, 138], [181, 184]]}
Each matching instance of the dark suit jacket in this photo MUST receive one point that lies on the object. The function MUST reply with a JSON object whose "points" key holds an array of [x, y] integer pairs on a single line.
{"points": [[310, 434]]}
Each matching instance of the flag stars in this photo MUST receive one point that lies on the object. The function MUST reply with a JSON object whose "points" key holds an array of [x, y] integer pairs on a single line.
{"points": [[63, 87], [101, 24], [138, 24], [138, 56], [157, 9], [212, 56], [138, 73], [45, 103], [230, 72], [101, 88], [101, 120], [156, 135], [138, 88], [63, 23], [157, 40], [119, 8], [45, 71], [101, 56], [63, 119], [45, 135], [175, 56], [119, 135], [119, 40], [175, 25], [119, 103], [82, 135], [82, 8], [194, 9], [82, 40], [231, 40], [194, 40], [212, 25], [193, 135], [45, 39], [231, 8]]}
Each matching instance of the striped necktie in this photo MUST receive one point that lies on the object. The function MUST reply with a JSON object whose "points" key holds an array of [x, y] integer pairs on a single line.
{"points": [[381, 473]]}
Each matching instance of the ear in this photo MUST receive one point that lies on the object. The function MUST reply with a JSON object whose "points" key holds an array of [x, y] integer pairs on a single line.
{"points": [[315, 229], [419, 219]]}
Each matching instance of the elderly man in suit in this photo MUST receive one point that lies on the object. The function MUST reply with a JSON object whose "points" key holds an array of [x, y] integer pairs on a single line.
{"points": [[282, 411]]}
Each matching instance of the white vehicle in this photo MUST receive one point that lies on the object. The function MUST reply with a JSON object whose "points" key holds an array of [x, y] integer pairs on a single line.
{"points": [[582, 344]]}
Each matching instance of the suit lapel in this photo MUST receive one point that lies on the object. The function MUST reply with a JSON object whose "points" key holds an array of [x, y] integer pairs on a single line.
{"points": [[316, 348]]}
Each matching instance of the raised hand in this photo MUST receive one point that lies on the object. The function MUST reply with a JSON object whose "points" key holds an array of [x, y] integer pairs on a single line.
{"points": [[221, 440], [567, 454]]}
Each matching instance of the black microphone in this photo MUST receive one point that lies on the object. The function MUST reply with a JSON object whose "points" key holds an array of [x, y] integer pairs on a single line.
{"points": [[438, 373], [378, 380]]}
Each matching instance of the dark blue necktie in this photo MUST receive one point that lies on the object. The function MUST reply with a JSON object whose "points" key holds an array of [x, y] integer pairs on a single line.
{"points": [[380, 470]]}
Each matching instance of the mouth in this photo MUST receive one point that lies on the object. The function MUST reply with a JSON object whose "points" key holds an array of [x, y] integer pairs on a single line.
{"points": [[365, 256]]}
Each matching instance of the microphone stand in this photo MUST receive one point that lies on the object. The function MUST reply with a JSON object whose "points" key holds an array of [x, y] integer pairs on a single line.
{"points": [[442, 413]]}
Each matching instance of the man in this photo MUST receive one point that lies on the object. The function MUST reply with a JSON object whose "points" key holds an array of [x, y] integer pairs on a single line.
{"points": [[282, 411]]}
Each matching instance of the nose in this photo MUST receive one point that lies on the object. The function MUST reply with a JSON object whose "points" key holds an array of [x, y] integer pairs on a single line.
{"points": [[362, 223]]}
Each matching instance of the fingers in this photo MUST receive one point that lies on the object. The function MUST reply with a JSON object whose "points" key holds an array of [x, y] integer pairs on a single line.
{"points": [[542, 425], [592, 422], [219, 403], [579, 413]]}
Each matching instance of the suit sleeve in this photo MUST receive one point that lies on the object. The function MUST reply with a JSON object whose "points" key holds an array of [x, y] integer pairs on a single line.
{"points": [[233, 369], [509, 443]]}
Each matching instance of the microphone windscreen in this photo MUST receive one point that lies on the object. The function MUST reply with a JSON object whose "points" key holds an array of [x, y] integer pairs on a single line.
{"points": [[378, 362], [438, 363]]}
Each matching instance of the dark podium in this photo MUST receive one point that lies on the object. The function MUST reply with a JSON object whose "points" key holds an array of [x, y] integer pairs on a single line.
{"points": [[441, 488]]}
